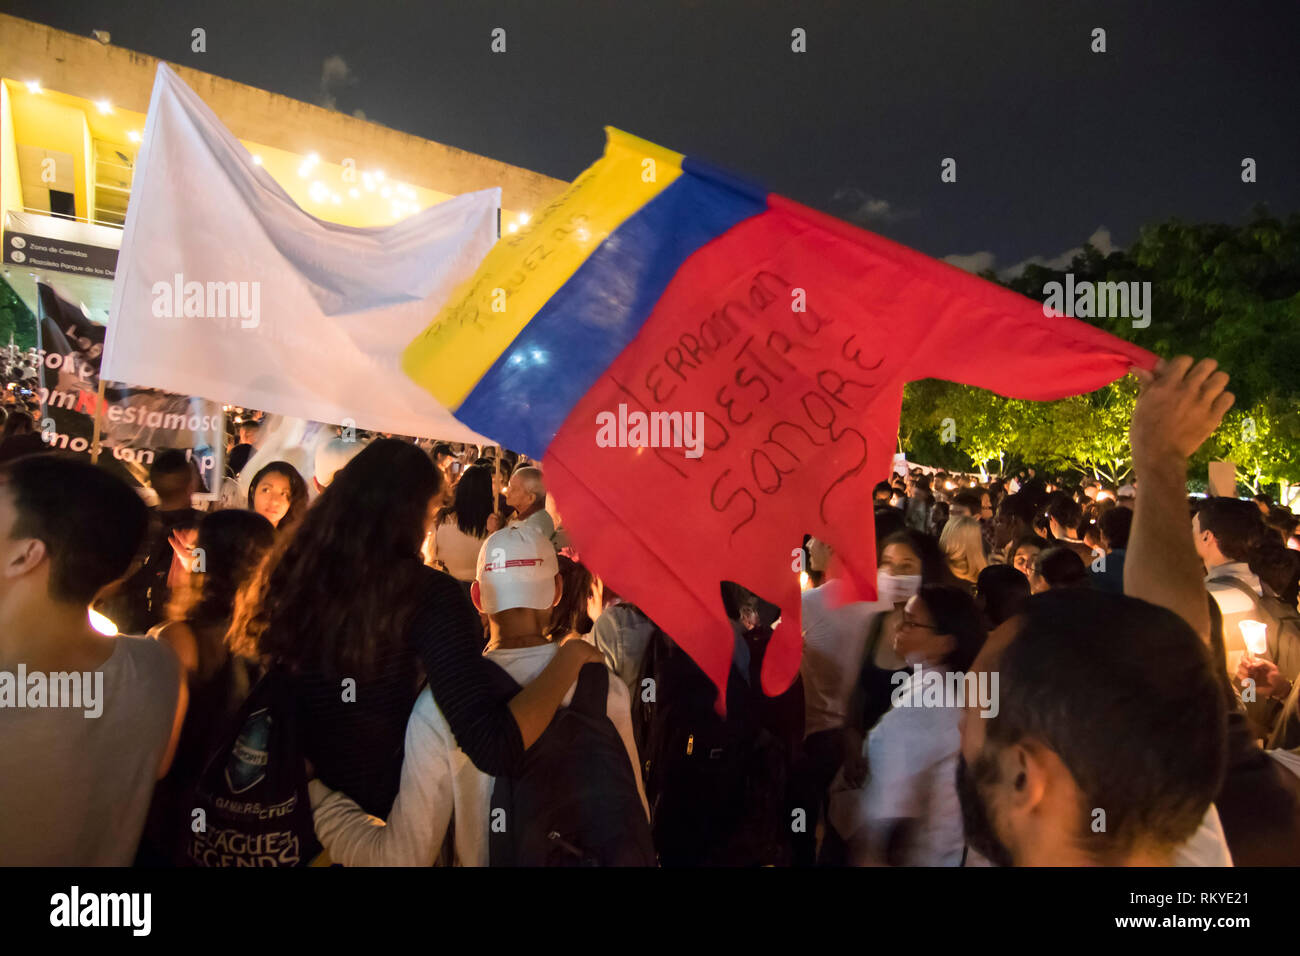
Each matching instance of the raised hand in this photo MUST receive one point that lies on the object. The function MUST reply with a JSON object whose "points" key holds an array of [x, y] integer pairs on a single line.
{"points": [[1180, 404]]}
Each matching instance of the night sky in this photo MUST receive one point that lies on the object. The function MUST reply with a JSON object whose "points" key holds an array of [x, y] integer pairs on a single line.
{"points": [[1052, 141]]}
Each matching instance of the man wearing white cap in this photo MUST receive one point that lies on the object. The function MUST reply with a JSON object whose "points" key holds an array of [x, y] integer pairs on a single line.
{"points": [[517, 584], [330, 458]]}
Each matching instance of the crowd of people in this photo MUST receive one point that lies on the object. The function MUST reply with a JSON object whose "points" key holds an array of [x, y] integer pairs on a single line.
{"points": [[402, 660]]}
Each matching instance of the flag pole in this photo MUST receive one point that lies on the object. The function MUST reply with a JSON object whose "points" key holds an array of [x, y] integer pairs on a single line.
{"points": [[99, 417]]}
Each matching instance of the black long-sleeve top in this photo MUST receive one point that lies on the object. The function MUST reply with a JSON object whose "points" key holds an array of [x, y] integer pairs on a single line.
{"points": [[356, 747]]}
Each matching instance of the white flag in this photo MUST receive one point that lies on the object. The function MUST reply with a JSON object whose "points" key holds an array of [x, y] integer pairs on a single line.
{"points": [[227, 289]]}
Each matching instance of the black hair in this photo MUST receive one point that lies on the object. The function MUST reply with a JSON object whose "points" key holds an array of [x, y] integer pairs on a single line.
{"points": [[1278, 568], [882, 488], [297, 491], [1115, 524], [972, 499], [889, 521], [1018, 507], [16, 424], [169, 461], [1028, 541], [955, 614], [474, 502], [1281, 521], [1065, 511], [1062, 567], [1000, 591], [440, 449], [1088, 669], [1237, 526], [91, 522], [934, 565]]}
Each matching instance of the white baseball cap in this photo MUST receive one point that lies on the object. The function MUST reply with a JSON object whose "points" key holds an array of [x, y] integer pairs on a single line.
{"points": [[331, 456], [516, 568]]}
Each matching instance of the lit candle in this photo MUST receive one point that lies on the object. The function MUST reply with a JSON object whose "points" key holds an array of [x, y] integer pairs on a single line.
{"points": [[1254, 633]]}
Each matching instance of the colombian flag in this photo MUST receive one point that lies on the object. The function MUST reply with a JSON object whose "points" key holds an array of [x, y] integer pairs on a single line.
{"points": [[657, 284]]}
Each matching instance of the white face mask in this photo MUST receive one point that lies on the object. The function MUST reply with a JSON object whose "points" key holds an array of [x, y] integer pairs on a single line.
{"points": [[897, 588]]}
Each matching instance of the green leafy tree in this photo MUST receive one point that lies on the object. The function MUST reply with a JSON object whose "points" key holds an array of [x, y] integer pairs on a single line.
{"points": [[16, 319], [1232, 292]]}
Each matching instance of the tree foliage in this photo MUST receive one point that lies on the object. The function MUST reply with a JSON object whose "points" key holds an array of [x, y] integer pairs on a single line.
{"points": [[16, 320], [1231, 292]]}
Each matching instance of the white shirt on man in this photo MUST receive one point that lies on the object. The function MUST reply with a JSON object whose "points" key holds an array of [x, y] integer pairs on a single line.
{"points": [[440, 786], [541, 522]]}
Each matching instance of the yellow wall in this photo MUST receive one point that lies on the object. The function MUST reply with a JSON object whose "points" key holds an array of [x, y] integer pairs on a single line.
{"points": [[82, 67], [11, 187], [87, 167], [354, 195], [57, 127]]}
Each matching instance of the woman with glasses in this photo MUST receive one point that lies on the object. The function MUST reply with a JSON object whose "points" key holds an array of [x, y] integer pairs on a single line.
{"points": [[908, 812]]}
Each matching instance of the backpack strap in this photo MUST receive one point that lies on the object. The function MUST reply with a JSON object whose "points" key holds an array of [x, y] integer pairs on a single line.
{"points": [[591, 695], [1273, 624], [1245, 589]]}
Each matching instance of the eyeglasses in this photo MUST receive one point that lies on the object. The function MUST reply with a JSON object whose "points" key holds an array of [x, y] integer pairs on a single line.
{"points": [[913, 622]]}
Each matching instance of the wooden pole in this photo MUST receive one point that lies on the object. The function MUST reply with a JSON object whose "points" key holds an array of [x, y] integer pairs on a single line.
{"points": [[99, 418]]}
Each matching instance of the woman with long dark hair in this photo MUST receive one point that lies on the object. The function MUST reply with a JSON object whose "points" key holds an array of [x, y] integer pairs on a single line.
{"points": [[461, 528], [229, 547], [279, 494], [349, 610]]}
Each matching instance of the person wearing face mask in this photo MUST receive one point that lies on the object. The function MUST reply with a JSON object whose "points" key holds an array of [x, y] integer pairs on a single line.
{"points": [[907, 560]]}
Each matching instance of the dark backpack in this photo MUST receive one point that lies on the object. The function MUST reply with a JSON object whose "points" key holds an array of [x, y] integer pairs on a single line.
{"points": [[253, 791], [575, 802]]}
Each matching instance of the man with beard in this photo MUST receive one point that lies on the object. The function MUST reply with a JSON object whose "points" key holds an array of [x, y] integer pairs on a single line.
{"points": [[1110, 740]]}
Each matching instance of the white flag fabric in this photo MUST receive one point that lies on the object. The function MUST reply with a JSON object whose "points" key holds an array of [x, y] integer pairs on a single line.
{"points": [[227, 289]]}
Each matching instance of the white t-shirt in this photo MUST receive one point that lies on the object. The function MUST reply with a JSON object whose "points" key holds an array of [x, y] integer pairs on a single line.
{"points": [[74, 790], [834, 641], [440, 784]]}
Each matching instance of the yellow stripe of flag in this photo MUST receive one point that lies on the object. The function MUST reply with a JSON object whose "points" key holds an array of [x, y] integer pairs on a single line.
{"points": [[522, 271]]}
